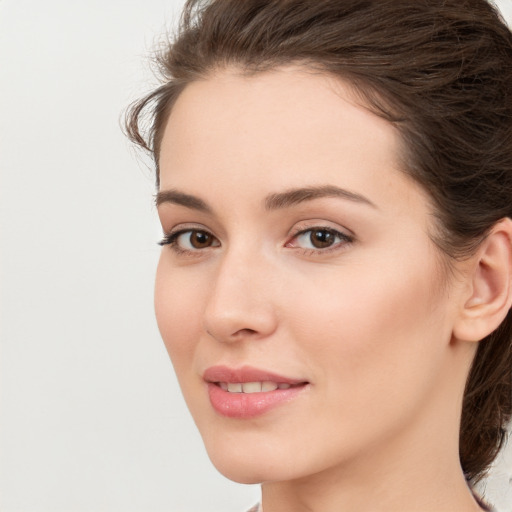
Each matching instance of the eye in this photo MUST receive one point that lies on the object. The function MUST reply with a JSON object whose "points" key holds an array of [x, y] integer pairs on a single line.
{"points": [[189, 240], [319, 238]]}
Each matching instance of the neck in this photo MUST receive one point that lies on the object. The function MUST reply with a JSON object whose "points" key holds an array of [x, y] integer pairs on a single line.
{"points": [[440, 490]]}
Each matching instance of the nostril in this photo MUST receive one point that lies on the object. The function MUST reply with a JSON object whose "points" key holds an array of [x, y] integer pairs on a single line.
{"points": [[245, 332], [237, 335]]}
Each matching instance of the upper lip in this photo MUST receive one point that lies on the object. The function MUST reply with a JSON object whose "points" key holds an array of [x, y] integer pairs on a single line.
{"points": [[245, 374]]}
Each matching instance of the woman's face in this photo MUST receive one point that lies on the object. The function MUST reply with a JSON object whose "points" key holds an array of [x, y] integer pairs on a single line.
{"points": [[298, 258]]}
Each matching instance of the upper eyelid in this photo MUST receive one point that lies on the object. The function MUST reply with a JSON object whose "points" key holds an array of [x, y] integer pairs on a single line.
{"points": [[185, 226], [299, 228], [317, 227], [304, 228], [346, 237]]}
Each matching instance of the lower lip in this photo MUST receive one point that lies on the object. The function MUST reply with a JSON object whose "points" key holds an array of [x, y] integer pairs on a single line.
{"points": [[249, 405]]}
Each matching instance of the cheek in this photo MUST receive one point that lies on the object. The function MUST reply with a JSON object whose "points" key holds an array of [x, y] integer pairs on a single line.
{"points": [[178, 304], [374, 328]]}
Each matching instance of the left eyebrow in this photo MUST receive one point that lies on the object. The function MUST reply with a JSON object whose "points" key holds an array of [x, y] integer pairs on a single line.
{"points": [[182, 199], [299, 195]]}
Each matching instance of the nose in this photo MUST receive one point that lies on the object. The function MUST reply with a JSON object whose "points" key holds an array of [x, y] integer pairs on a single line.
{"points": [[241, 304]]}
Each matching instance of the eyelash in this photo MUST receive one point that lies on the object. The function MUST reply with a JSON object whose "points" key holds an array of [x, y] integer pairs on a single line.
{"points": [[171, 239], [345, 240]]}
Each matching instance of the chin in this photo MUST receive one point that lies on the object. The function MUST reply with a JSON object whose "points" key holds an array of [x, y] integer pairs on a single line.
{"points": [[241, 470], [248, 466]]}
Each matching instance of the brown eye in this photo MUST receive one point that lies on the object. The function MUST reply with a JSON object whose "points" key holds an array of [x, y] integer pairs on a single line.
{"points": [[200, 239], [190, 240], [195, 239], [321, 238]]}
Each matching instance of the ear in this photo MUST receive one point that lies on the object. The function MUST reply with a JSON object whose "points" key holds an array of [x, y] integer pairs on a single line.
{"points": [[489, 295]]}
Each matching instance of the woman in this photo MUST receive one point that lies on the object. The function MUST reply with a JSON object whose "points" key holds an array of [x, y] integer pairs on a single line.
{"points": [[334, 289]]}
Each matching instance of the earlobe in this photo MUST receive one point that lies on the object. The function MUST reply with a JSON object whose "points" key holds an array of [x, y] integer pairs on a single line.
{"points": [[490, 290]]}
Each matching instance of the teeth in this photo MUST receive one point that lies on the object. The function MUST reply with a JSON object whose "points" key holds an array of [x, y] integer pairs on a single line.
{"points": [[268, 386], [252, 387], [234, 387]]}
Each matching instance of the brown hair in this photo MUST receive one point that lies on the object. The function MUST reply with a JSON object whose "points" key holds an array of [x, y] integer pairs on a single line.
{"points": [[440, 71]]}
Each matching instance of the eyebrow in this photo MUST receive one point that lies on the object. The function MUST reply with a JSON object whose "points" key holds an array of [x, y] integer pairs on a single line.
{"points": [[272, 202], [300, 195], [182, 199]]}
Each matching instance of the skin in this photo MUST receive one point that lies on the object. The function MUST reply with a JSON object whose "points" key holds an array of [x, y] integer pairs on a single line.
{"points": [[367, 322]]}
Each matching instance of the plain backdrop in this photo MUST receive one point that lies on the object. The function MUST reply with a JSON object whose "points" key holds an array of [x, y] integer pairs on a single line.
{"points": [[92, 419]]}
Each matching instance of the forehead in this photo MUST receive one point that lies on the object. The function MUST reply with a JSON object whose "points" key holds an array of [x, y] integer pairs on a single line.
{"points": [[279, 129], [269, 100]]}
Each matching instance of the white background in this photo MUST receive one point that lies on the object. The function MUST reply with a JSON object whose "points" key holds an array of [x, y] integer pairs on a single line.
{"points": [[91, 416]]}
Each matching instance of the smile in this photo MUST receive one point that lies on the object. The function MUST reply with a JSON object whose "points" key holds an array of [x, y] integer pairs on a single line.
{"points": [[244, 393], [252, 387]]}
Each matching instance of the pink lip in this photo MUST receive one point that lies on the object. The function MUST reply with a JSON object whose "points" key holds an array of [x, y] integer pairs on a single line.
{"points": [[248, 405], [245, 374]]}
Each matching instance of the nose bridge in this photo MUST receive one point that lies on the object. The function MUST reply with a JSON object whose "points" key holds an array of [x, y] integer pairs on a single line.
{"points": [[240, 303]]}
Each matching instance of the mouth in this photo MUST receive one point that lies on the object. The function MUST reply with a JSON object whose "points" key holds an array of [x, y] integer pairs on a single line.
{"points": [[248, 392], [253, 387]]}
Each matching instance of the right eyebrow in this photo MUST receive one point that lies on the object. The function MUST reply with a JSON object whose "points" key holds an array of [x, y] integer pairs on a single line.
{"points": [[300, 195], [182, 199]]}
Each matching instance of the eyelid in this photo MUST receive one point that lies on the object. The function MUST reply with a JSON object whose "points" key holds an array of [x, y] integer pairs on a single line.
{"points": [[186, 226], [312, 224], [170, 237], [346, 236]]}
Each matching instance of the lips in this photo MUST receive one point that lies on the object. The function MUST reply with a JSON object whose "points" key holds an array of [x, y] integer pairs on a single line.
{"points": [[252, 387], [248, 392]]}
